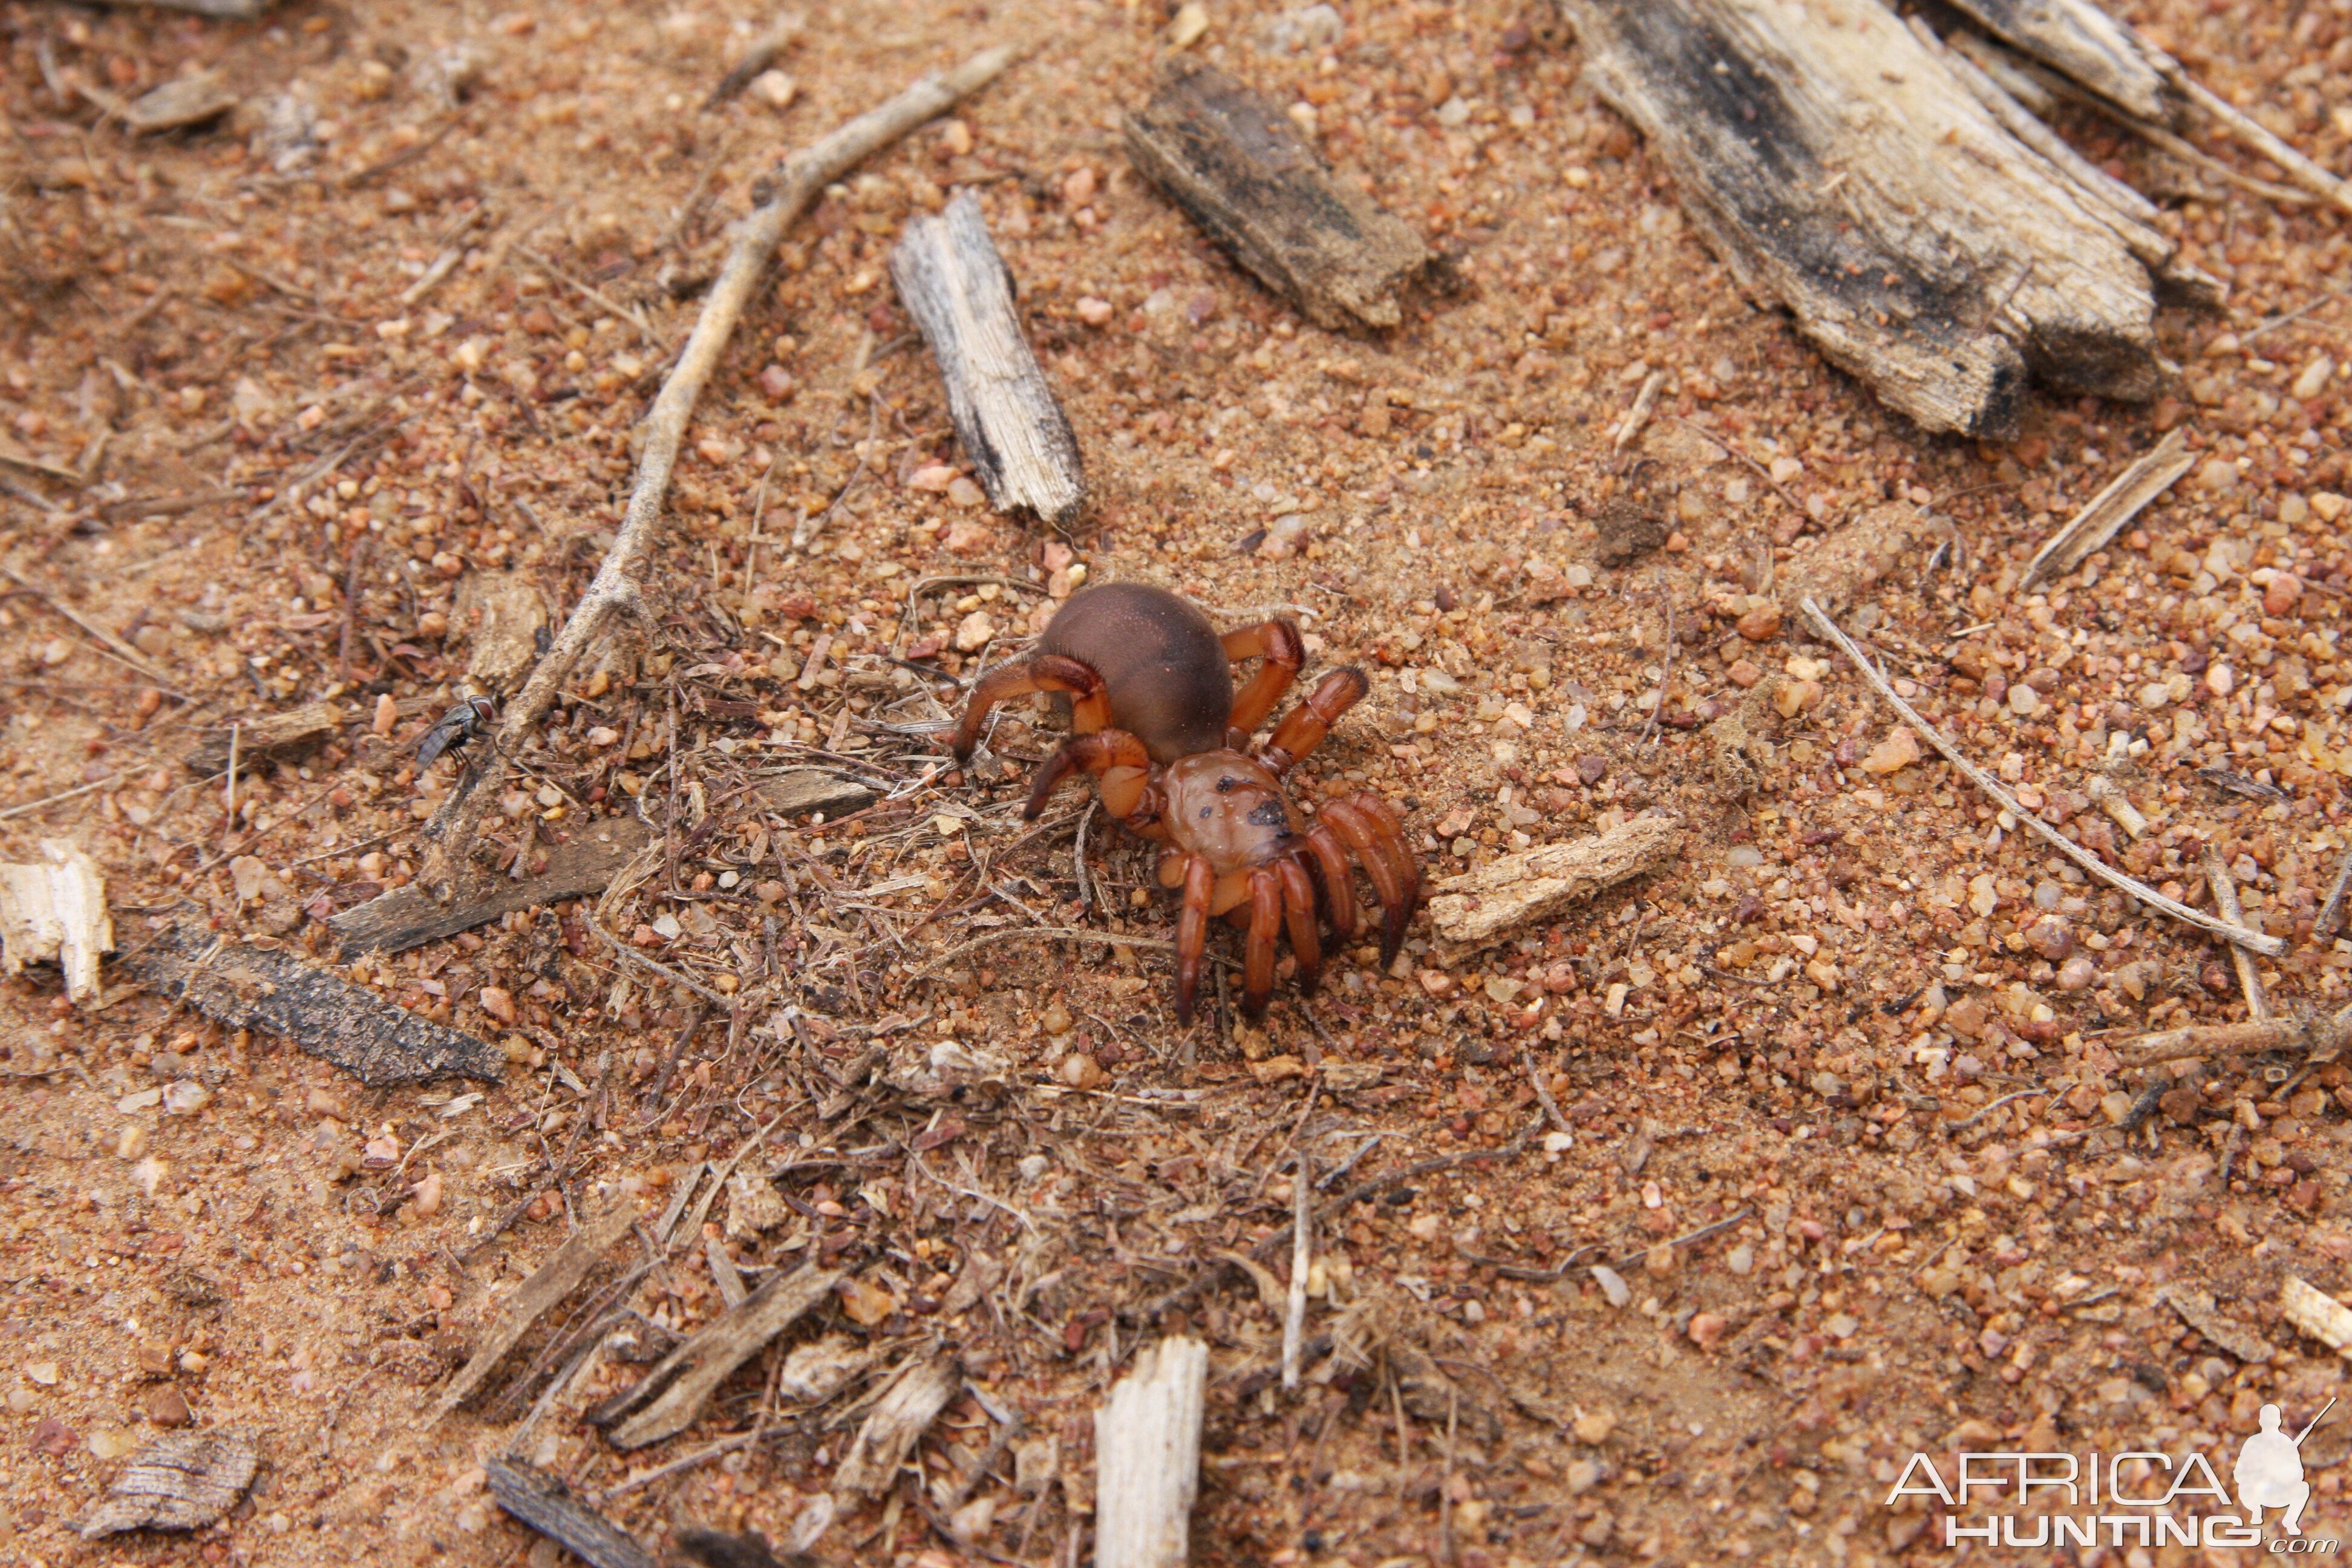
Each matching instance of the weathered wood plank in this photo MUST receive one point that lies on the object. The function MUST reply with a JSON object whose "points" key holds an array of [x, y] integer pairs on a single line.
{"points": [[672, 1394], [271, 738], [325, 1014], [548, 1284], [1148, 1458], [2091, 47], [550, 1507], [1841, 167], [961, 293], [1231, 158], [407, 917]]}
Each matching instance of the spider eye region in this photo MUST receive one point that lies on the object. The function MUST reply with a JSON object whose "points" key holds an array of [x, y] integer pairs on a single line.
{"points": [[1208, 811], [1225, 785], [1269, 814]]}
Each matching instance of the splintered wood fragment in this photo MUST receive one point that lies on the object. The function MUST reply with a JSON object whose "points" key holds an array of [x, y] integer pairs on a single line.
{"points": [[2199, 1311], [190, 100], [2316, 1313], [551, 1283], [2123, 499], [1232, 159], [804, 790], [959, 292], [2084, 43], [895, 1424], [1538, 884], [508, 615], [54, 911], [2225, 900], [272, 737], [672, 1394], [550, 1507], [1839, 166], [406, 917], [325, 1014], [1148, 1457], [183, 1481]]}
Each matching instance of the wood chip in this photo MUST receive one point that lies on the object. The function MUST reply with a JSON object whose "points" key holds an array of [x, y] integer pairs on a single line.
{"points": [[2199, 1310], [551, 1283], [191, 101], [550, 1507], [179, 1481], [1233, 160], [1012, 428], [804, 790], [897, 1421], [672, 1394], [1839, 166], [327, 1016], [2316, 1313], [54, 911], [271, 738], [2123, 499], [1148, 1457], [504, 615], [1538, 884], [407, 917], [2091, 47]]}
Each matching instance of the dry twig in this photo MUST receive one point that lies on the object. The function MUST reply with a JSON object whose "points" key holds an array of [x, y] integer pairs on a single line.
{"points": [[618, 587], [2270, 946]]}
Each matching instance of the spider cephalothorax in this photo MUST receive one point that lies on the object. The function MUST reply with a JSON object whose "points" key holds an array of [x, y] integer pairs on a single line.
{"points": [[1160, 726]]}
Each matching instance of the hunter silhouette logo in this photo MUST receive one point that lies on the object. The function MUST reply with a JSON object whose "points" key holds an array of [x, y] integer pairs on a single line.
{"points": [[2269, 1471], [2137, 1498]]}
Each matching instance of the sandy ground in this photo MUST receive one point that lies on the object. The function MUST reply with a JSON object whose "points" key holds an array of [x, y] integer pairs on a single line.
{"points": [[311, 403]]}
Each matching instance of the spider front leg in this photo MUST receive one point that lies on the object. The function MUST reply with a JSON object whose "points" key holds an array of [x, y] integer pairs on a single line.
{"points": [[1284, 652], [1304, 728], [1377, 837], [1122, 769], [1089, 702], [1298, 912], [1265, 895], [1193, 932]]}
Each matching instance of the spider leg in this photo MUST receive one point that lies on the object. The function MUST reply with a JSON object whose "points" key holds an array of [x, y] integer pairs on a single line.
{"points": [[1303, 727], [1089, 702], [1191, 933], [1392, 840], [1117, 758], [1362, 834], [1278, 642], [1265, 926], [1338, 877], [1298, 913]]}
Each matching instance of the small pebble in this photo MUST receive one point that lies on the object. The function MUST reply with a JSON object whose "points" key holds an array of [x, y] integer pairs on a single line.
{"points": [[1612, 1285], [426, 1202], [498, 1002], [166, 1406], [1080, 1070], [2079, 972], [1094, 312], [2279, 599], [774, 89], [1705, 1330], [2052, 938], [973, 632]]}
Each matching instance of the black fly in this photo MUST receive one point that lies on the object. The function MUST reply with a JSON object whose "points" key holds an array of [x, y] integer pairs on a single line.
{"points": [[454, 729]]}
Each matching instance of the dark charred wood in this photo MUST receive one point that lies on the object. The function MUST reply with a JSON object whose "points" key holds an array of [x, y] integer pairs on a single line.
{"points": [[1232, 159], [407, 917]]}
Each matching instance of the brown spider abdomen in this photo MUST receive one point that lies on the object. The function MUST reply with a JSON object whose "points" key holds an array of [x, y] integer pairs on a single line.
{"points": [[1162, 665]]}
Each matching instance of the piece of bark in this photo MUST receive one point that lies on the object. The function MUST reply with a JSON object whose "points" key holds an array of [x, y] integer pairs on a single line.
{"points": [[550, 1507], [504, 615], [272, 737], [183, 1481], [672, 1394], [54, 911], [2122, 501], [2199, 1310], [190, 100], [548, 1284], [716, 1548], [325, 1014], [1841, 166], [1232, 159], [405, 918], [2316, 1313], [1148, 1457], [2092, 48], [1538, 884], [804, 790], [960, 294], [895, 1424]]}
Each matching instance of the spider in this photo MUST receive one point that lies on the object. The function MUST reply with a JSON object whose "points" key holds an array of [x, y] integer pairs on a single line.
{"points": [[1158, 723]]}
